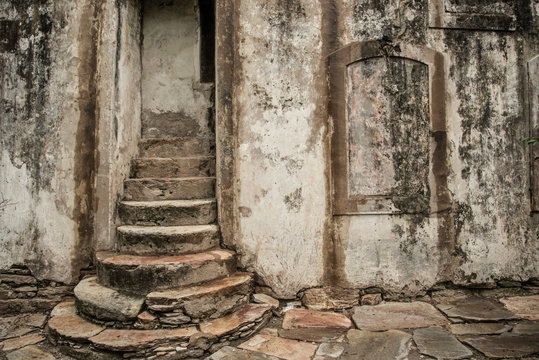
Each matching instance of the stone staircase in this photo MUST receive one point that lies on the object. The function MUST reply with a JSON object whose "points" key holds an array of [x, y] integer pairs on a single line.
{"points": [[169, 290]]}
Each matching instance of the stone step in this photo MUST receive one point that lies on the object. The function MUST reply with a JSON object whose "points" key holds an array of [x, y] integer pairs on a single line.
{"points": [[106, 304], [241, 323], [177, 147], [144, 274], [155, 240], [210, 300], [137, 340], [173, 167], [168, 212], [152, 189]]}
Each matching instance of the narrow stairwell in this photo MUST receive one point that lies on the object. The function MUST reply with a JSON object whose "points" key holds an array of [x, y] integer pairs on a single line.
{"points": [[168, 290]]}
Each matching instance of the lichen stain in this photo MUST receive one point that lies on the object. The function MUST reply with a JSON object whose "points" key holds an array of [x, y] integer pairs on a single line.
{"points": [[294, 200]]}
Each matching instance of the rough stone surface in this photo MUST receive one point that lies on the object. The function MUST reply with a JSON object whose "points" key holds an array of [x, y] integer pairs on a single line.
{"points": [[371, 299], [329, 350], [168, 212], [248, 314], [169, 189], [279, 347], [526, 328], [397, 316], [479, 328], [212, 299], [319, 335], [505, 345], [19, 342], [526, 307], [330, 298], [301, 319], [104, 303], [134, 340], [476, 309], [266, 299], [14, 326], [438, 343], [173, 168], [144, 274], [64, 308], [73, 327], [154, 240], [392, 344], [231, 353], [30, 353]]}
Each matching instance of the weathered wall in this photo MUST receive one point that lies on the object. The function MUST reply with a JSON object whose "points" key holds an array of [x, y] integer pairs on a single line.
{"points": [[174, 102], [119, 110], [477, 227], [70, 120], [47, 62]]}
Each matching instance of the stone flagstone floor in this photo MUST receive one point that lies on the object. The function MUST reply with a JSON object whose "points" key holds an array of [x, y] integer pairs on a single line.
{"points": [[448, 324]]}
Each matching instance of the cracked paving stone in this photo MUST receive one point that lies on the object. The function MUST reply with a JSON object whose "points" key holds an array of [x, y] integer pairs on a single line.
{"points": [[73, 327], [304, 319], [438, 343], [232, 353], [30, 353], [14, 326], [392, 344], [526, 307], [329, 351], [397, 316], [526, 328], [20, 342], [282, 348], [504, 345], [479, 328], [476, 309]]}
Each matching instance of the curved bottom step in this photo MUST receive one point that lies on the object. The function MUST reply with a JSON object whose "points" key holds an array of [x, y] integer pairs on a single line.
{"points": [[82, 339]]}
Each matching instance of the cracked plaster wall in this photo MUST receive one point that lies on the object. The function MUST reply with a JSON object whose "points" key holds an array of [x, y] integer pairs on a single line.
{"points": [[283, 157], [66, 127]]}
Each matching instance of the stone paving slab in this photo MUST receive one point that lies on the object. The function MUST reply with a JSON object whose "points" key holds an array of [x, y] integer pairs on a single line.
{"points": [[527, 328], [14, 326], [479, 328], [526, 307], [19, 342], [230, 323], [392, 344], [438, 343], [64, 308], [134, 340], [73, 327], [397, 316], [232, 353], [505, 345], [303, 318], [476, 309], [30, 353], [282, 348], [320, 335], [329, 351]]}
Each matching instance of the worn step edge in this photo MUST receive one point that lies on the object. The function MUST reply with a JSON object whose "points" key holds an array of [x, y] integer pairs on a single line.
{"points": [[168, 212], [210, 300], [152, 189], [144, 274], [146, 240], [103, 303], [250, 316], [166, 167], [176, 146], [136, 340]]}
